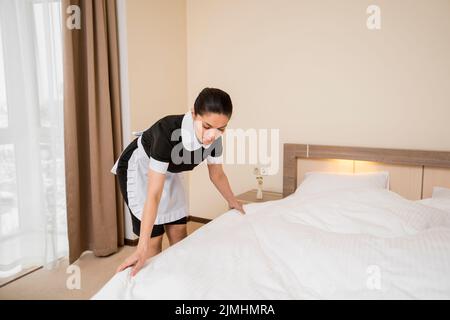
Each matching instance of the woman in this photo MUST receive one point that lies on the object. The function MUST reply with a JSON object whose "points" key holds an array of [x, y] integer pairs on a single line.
{"points": [[148, 172]]}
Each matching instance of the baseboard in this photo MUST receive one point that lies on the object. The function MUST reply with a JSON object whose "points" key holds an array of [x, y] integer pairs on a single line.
{"points": [[20, 275], [198, 219], [131, 243], [134, 243]]}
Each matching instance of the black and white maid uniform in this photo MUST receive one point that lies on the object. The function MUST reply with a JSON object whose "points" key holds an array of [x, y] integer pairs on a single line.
{"points": [[169, 146]]}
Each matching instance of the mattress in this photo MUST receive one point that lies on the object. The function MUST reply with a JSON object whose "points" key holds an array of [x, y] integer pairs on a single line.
{"points": [[352, 244]]}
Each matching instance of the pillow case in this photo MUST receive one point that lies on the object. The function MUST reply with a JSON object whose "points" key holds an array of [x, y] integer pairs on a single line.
{"points": [[437, 203], [439, 192], [316, 183], [439, 200]]}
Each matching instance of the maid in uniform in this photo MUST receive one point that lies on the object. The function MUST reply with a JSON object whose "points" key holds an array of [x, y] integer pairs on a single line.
{"points": [[148, 171]]}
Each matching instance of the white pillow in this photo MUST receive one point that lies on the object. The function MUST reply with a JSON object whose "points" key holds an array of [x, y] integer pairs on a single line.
{"points": [[324, 182], [437, 203], [439, 200], [439, 192]]}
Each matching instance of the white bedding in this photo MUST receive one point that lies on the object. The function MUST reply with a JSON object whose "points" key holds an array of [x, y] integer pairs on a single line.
{"points": [[360, 244]]}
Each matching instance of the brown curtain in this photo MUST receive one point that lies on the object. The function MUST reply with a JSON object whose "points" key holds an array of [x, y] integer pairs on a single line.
{"points": [[92, 121]]}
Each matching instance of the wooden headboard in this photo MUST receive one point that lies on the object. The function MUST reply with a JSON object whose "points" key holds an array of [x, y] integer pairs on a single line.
{"points": [[427, 168]]}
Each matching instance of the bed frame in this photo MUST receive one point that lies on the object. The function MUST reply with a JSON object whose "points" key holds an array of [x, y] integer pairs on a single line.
{"points": [[413, 173]]}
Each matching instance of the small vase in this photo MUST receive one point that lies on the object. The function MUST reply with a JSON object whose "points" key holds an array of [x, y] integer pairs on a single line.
{"points": [[259, 194]]}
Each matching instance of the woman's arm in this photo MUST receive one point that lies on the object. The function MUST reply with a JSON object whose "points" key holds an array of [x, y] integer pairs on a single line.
{"points": [[220, 180], [154, 191]]}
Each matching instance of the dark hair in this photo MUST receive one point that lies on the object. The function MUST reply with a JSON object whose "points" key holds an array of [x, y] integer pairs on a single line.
{"points": [[215, 101]]}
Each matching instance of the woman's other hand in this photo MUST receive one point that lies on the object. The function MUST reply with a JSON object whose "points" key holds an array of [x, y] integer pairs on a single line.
{"points": [[136, 260], [235, 204]]}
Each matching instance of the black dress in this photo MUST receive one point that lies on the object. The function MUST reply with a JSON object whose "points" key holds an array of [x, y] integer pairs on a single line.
{"points": [[170, 147]]}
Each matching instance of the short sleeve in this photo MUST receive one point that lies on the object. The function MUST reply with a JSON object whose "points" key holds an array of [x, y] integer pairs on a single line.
{"points": [[158, 166], [215, 156], [157, 145]]}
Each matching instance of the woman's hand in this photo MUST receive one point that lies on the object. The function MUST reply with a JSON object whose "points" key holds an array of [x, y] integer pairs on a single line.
{"points": [[136, 260], [235, 204], [220, 180]]}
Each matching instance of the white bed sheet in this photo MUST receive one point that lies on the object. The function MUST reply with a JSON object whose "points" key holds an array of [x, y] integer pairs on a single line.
{"points": [[354, 244]]}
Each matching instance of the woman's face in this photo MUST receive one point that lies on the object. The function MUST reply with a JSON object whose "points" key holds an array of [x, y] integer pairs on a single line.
{"points": [[209, 126]]}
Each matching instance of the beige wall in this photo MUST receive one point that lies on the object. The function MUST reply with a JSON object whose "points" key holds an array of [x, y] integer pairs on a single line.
{"points": [[156, 31], [310, 68], [313, 69]]}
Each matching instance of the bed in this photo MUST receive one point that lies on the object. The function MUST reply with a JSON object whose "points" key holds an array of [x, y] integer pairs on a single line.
{"points": [[345, 243]]}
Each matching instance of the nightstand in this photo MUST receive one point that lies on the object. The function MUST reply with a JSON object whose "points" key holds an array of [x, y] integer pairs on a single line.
{"points": [[250, 196]]}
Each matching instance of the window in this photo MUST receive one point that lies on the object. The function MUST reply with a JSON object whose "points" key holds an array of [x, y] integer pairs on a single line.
{"points": [[33, 228], [49, 58], [3, 106], [9, 221], [9, 218]]}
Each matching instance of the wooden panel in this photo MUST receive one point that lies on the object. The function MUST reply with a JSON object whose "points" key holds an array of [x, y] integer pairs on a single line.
{"points": [[404, 180], [437, 159], [435, 177], [320, 165], [291, 153], [388, 156]]}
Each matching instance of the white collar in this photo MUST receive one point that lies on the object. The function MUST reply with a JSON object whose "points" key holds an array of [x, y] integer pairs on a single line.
{"points": [[188, 137]]}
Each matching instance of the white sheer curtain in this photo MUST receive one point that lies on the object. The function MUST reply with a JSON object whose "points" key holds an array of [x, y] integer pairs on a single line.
{"points": [[32, 188]]}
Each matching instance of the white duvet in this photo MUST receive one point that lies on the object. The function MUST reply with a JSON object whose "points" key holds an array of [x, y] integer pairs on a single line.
{"points": [[360, 244]]}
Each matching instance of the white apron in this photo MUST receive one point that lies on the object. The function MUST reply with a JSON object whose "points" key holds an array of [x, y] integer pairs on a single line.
{"points": [[172, 205]]}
